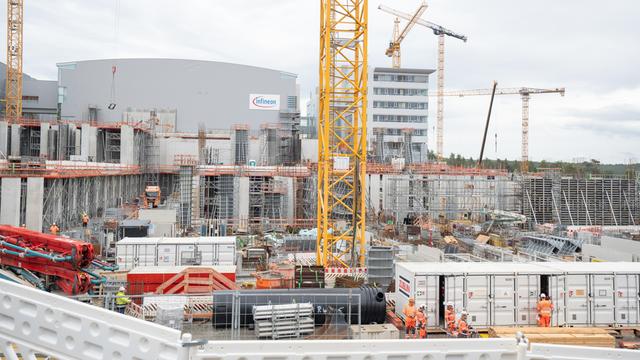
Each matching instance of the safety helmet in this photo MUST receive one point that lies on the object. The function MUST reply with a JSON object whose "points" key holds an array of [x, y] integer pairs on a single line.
{"points": [[422, 307], [543, 296], [449, 303], [121, 288], [412, 299], [464, 313]]}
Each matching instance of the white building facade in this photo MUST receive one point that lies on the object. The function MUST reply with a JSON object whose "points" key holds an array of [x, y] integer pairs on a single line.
{"points": [[398, 114]]}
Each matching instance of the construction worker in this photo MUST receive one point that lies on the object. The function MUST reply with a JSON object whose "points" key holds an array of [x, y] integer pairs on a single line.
{"points": [[545, 307], [421, 321], [121, 300], [85, 220], [54, 229], [409, 312], [450, 318], [462, 328]]}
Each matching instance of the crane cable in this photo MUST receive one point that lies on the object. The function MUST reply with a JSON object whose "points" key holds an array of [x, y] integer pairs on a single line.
{"points": [[114, 66]]}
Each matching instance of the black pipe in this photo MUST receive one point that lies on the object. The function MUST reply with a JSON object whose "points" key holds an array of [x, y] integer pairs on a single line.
{"points": [[373, 305]]}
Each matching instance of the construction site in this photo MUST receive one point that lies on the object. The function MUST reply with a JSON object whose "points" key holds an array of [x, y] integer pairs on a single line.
{"points": [[138, 223]]}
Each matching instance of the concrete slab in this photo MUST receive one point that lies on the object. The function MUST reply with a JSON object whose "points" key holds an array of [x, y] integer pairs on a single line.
{"points": [[35, 203], [10, 201]]}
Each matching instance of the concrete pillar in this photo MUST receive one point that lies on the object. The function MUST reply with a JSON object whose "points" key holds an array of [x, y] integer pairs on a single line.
{"points": [[78, 140], [44, 140], [127, 145], [374, 190], [4, 138], [35, 201], [15, 140], [242, 203], [10, 201]]}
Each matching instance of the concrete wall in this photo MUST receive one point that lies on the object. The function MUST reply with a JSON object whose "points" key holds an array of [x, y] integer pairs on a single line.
{"points": [[35, 199], [597, 252], [44, 139], [213, 93], [88, 143], [309, 151], [10, 201], [127, 146], [15, 140], [4, 137]]}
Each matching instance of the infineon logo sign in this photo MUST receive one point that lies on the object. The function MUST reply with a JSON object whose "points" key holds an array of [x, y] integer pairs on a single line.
{"points": [[264, 102]]}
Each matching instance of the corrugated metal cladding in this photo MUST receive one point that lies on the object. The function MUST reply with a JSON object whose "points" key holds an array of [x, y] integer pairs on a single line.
{"points": [[506, 294], [213, 93]]}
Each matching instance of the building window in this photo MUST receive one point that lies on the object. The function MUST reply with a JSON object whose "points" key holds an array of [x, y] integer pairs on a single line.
{"points": [[400, 118], [401, 78], [30, 98], [400, 105], [400, 92]]}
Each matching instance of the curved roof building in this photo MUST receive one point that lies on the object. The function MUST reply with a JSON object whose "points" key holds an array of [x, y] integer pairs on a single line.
{"points": [[187, 92]]}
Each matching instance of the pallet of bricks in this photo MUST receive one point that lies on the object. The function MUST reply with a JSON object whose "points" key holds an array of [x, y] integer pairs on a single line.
{"points": [[308, 277], [594, 337]]}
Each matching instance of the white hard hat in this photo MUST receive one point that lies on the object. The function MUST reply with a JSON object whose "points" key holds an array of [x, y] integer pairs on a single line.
{"points": [[423, 307], [543, 295], [449, 303], [463, 313], [121, 288]]}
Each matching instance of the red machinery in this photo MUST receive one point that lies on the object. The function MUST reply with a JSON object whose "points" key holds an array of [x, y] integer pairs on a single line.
{"points": [[48, 254]]}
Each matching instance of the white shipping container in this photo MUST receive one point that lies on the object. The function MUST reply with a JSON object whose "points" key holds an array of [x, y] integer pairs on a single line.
{"points": [[134, 252], [506, 294]]}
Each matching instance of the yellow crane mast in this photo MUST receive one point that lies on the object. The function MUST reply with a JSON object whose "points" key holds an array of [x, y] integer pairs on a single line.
{"points": [[398, 36], [525, 94], [13, 95], [342, 129]]}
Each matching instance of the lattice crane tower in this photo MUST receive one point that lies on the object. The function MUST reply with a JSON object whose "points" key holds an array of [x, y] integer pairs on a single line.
{"points": [[342, 131], [13, 105]]}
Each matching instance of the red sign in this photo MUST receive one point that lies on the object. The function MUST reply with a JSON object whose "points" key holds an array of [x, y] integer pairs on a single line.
{"points": [[404, 286]]}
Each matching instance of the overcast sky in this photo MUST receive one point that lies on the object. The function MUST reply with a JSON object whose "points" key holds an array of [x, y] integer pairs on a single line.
{"points": [[590, 47]]}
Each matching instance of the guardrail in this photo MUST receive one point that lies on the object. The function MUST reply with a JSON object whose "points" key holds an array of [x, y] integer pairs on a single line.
{"points": [[34, 323]]}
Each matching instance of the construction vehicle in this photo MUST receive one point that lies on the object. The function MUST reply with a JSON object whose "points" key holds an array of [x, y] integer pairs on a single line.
{"points": [[151, 197]]}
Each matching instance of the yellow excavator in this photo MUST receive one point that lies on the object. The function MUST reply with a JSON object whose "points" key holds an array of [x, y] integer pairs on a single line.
{"points": [[151, 197]]}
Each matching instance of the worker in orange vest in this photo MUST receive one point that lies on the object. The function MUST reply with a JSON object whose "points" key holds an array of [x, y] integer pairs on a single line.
{"points": [[409, 312], [450, 318], [54, 229], [545, 307], [421, 321], [462, 328], [85, 220]]}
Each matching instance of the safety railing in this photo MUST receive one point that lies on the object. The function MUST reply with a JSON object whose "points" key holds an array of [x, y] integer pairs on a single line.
{"points": [[36, 323]]}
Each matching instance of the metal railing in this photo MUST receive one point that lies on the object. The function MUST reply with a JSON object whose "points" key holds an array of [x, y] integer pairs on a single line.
{"points": [[35, 323]]}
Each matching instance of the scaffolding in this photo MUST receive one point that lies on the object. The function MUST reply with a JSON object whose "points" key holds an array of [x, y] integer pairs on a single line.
{"points": [[598, 201], [450, 197]]}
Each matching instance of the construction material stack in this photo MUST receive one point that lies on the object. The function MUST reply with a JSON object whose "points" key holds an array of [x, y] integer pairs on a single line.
{"points": [[283, 321]]}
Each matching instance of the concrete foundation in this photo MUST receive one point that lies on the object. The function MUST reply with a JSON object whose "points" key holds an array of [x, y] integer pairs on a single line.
{"points": [[35, 205], [10, 201]]}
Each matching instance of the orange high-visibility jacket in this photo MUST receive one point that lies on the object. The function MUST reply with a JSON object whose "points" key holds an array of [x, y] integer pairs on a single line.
{"points": [[463, 327], [545, 307]]}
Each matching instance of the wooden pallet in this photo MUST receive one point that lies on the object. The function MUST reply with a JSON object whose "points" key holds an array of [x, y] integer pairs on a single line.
{"points": [[595, 337]]}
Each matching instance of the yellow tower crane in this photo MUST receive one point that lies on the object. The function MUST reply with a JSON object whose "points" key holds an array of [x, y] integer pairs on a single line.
{"points": [[441, 32], [342, 129], [13, 97], [525, 94], [398, 36]]}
